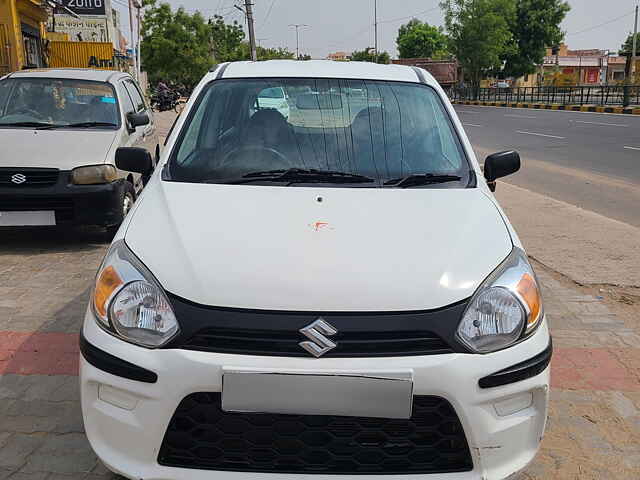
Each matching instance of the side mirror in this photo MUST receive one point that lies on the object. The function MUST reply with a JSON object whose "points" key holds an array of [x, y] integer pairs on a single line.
{"points": [[500, 165], [134, 159], [137, 120]]}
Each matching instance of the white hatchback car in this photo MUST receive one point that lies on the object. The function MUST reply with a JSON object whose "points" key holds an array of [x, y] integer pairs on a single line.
{"points": [[59, 131], [289, 301]]}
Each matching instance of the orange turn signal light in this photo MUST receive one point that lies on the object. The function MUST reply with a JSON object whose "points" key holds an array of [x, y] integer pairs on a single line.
{"points": [[106, 284], [529, 292]]}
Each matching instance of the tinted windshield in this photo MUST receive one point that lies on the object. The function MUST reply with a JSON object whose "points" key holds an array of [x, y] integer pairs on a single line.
{"points": [[57, 102], [381, 130]]}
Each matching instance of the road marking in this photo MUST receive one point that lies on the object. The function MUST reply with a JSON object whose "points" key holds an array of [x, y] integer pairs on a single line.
{"points": [[632, 148], [519, 116], [471, 125], [540, 135], [600, 123]]}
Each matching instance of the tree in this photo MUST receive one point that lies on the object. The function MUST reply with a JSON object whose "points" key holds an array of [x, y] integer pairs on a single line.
{"points": [[305, 56], [368, 55], [226, 40], [479, 34], [626, 50], [421, 40], [535, 26], [175, 45]]}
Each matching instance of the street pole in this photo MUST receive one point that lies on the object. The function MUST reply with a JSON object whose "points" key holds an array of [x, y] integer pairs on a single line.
{"points": [[133, 45], [138, 6], [375, 25], [635, 44], [252, 34], [297, 27]]}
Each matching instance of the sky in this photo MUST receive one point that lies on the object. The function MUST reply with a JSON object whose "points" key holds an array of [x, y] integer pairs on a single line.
{"points": [[347, 25]]}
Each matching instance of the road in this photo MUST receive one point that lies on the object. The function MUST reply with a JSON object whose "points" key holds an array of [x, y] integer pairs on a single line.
{"points": [[586, 159]]}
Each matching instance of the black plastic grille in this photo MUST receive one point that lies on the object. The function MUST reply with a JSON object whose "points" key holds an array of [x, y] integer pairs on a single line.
{"points": [[202, 436], [62, 206], [33, 177], [286, 343]]}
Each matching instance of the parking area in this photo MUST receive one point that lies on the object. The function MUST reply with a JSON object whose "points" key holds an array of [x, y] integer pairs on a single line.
{"points": [[45, 279]]}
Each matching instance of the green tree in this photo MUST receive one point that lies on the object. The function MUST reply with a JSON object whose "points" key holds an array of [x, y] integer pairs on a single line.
{"points": [[368, 55], [226, 40], [535, 26], [626, 51], [479, 34], [175, 45], [421, 40]]}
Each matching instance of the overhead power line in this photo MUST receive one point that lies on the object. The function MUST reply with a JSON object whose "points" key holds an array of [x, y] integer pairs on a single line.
{"points": [[602, 24], [410, 16], [266, 17]]}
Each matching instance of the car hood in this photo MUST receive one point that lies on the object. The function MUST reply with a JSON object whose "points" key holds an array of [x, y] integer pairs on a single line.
{"points": [[62, 149], [318, 249]]}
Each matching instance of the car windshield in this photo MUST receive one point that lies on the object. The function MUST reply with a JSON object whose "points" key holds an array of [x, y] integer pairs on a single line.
{"points": [[376, 133], [57, 102]]}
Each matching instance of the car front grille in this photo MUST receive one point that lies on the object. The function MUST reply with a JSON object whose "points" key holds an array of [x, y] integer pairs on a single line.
{"points": [[286, 343], [202, 436], [63, 207], [28, 177]]}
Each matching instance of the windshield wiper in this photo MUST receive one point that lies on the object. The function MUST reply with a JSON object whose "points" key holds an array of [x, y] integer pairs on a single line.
{"points": [[301, 175], [27, 124], [419, 179], [51, 126]]}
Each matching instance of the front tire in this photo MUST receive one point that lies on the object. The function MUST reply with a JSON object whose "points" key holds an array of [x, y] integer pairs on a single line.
{"points": [[126, 203]]}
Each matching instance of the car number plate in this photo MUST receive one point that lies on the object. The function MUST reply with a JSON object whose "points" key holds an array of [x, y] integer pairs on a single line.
{"points": [[27, 219], [352, 395]]}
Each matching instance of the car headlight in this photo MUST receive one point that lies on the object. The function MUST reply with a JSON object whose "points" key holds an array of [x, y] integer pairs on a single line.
{"points": [[94, 175], [506, 307], [129, 303]]}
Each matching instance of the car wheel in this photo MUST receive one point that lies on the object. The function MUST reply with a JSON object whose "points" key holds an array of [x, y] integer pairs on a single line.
{"points": [[128, 199]]}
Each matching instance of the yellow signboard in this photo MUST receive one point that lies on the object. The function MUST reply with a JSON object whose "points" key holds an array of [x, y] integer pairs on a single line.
{"points": [[98, 55]]}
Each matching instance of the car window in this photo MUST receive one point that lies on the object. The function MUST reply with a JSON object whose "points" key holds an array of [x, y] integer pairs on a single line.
{"points": [[57, 102], [136, 96], [272, 93], [382, 130], [125, 99]]}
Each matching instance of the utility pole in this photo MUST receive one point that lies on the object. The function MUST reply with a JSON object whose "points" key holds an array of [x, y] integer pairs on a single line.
{"points": [[133, 45], [297, 27], [634, 52], [252, 34], [139, 7], [375, 25]]}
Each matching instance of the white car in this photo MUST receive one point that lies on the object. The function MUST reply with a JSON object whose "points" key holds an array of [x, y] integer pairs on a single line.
{"points": [[275, 98], [59, 131], [290, 302]]}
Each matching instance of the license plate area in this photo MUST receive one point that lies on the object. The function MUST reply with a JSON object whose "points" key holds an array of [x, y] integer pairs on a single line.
{"points": [[28, 219], [351, 395]]}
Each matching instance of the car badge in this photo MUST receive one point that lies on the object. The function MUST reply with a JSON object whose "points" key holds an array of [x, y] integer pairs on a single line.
{"points": [[317, 332]]}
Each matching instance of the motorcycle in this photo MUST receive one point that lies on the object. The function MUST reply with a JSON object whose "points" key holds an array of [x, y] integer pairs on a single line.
{"points": [[167, 100]]}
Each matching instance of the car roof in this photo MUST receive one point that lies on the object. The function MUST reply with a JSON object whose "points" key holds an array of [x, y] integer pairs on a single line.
{"points": [[70, 73], [321, 69]]}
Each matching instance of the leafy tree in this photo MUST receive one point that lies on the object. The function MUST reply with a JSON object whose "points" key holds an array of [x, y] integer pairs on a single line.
{"points": [[368, 55], [479, 34], [535, 26], [421, 40], [175, 45], [626, 50], [226, 40]]}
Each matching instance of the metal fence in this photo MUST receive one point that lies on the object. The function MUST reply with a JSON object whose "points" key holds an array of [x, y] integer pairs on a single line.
{"points": [[574, 95]]}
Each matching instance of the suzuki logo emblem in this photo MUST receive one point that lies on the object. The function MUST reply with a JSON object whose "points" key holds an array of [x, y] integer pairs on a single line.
{"points": [[318, 344], [18, 178]]}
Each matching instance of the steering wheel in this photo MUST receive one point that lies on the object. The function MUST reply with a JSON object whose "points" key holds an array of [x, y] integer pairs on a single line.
{"points": [[253, 148], [28, 111]]}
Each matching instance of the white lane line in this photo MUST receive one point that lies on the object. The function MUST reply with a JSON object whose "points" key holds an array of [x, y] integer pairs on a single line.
{"points": [[540, 135], [519, 116], [600, 123], [471, 125], [632, 148]]}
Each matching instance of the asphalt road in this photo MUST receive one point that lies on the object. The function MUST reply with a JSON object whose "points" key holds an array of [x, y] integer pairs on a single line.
{"points": [[586, 159]]}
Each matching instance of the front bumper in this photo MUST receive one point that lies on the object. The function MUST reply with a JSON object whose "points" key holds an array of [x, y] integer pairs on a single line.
{"points": [[73, 204], [126, 422]]}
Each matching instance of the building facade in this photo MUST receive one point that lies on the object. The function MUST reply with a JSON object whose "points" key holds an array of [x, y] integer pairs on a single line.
{"points": [[22, 33]]}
